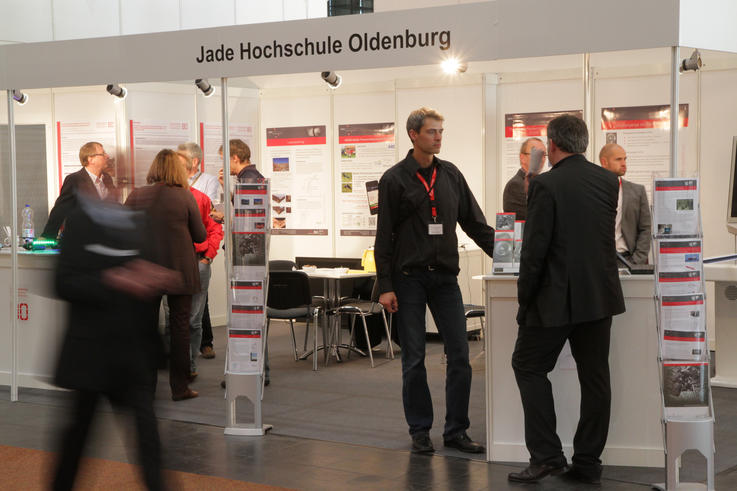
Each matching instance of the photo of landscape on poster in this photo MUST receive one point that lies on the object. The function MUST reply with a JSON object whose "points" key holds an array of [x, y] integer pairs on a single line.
{"points": [[297, 161], [367, 150], [518, 127], [644, 133]]}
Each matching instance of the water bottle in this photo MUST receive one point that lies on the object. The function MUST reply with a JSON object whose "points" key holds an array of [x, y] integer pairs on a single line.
{"points": [[27, 234]]}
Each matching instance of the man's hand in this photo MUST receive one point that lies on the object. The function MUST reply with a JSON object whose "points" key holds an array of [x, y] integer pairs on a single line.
{"points": [[218, 216], [220, 176], [389, 301]]}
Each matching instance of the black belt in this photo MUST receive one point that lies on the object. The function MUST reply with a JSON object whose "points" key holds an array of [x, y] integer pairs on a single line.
{"points": [[422, 269]]}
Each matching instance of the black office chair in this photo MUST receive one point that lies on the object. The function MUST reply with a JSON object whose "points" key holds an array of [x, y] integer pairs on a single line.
{"points": [[288, 299], [282, 265], [364, 308]]}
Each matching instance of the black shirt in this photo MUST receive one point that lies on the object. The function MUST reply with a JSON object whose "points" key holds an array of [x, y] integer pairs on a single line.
{"points": [[402, 239], [249, 172]]}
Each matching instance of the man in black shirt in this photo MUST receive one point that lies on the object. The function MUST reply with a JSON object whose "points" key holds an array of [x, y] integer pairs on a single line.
{"points": [[240, 162], [421, 199]]}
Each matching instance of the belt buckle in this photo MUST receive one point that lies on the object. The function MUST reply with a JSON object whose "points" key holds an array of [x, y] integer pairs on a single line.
{"points": [[431, 268]]}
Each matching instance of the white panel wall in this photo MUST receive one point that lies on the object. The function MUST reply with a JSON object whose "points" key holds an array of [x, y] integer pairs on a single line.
{"points": [[140, 16], [356, 109], [76, 19], [26, 21], [196, 13], [257, 11]]}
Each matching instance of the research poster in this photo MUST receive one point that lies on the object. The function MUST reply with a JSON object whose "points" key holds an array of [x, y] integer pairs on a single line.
{"points": [[298, 162], [71, 136], [366, 151], [150, 137], [644, 133], [518, 127], [211, 138]]}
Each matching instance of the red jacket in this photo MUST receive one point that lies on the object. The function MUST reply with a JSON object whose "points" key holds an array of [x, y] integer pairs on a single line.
{"points": [[214, 230]]}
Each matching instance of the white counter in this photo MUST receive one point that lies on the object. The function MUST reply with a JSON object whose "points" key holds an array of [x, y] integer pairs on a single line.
{"points": [[635, 437]]}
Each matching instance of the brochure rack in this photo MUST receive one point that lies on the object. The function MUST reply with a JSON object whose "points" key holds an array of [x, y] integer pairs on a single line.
{"points": [[683, 358], [507, 243], [248, 260]]}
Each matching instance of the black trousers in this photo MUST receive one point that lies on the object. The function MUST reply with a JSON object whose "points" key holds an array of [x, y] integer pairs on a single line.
{"points": [[140, 400], [206, 326], [535, 355]]}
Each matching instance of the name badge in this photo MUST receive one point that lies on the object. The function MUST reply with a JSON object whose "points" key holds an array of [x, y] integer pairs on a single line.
{"points": [[435, 228]]}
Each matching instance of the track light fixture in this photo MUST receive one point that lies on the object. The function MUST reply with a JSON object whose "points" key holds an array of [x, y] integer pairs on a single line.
{"points": [[453, 66], [204, 86], [332, 79], [116, 90], [19, 97], [692, 63]]}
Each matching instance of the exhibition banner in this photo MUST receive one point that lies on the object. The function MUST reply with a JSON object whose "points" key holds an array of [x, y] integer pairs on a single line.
{"points": [[298, 162], [367, 150], [644, 133], [71, 135], [518, 127], [150, 137]]}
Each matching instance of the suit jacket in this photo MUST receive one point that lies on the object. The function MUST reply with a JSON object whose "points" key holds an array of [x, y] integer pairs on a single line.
{"points": [[568, 269], [636, 222], [77, 182], [514, 199], [175, 224], [111, 340]]}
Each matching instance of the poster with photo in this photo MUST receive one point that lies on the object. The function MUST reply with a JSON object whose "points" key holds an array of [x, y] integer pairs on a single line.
{"points": [[518, 127], [244, 351], [71, 135], [211, 139], [644, 133], [686, 384], [298, 163], [366, 150], [150, 137], [676, 207]]}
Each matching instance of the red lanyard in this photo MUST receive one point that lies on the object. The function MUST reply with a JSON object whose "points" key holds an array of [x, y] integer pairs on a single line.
{"points": [[430, 191]]}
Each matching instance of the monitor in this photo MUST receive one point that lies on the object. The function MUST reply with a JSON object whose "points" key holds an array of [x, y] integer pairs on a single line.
{"points": [[732, 202]]}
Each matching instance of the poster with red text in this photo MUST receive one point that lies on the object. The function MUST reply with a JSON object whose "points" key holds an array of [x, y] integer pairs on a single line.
{"points": [[298, 162], [150, 137], [211, 139], [366, 151], [71, 135]]}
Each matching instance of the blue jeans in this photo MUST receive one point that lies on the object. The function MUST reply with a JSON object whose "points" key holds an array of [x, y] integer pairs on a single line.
{"points": [[440, 292], [195, 318]]}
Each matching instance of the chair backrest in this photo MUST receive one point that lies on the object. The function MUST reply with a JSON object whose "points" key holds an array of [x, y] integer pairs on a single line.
{"points": [[282, 265], [288, 290], [375, 290]]}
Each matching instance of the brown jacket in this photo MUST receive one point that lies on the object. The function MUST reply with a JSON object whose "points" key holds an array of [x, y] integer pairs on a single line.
{"points": [[175, 224]]}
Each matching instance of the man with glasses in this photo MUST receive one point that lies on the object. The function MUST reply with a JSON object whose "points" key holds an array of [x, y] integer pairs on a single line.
{"points": [[515, 192], [91, 180]]}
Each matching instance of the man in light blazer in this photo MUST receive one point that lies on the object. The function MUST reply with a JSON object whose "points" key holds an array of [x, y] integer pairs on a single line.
{"points": [[632, 229], [91, 180]]}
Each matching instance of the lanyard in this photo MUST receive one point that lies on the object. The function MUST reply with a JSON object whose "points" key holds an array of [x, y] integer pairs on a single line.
{"points": [[430, 191]]}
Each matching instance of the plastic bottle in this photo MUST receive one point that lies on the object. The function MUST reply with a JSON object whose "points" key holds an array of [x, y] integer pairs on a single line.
{"points": [[27, 234]]}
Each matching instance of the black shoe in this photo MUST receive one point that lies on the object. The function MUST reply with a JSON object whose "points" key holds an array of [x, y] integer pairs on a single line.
{"points": [[575, 473], [463, 443], [534, 472], [421, 443]]}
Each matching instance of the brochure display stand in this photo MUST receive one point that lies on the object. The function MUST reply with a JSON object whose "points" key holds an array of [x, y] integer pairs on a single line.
{"points": [[688, 415], [507, 243], [244, 364]]}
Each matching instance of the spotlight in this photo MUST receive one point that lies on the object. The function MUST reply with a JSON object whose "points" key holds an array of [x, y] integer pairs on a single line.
{"points": [[204, 86], [332, 79], [116, 90], [19, 97], [692, 63], [453, 66]]}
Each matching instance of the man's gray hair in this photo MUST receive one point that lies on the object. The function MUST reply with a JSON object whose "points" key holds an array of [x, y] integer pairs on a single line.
{"points": [[417, 118], [525, 147], [569, 133], [193, 151]]}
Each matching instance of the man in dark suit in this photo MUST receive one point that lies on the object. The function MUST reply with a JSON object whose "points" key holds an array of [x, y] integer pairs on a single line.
{"points": [[568, 290], [111, 347], [632, 232], [90, 180], [514, 199]]}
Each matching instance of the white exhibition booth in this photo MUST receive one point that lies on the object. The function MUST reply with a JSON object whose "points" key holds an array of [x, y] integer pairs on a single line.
{"points": [[522, 58]]}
